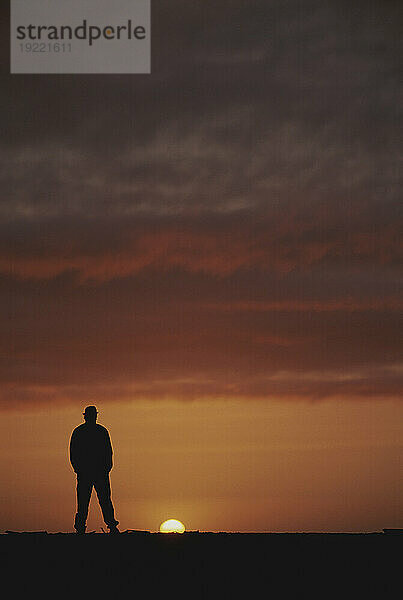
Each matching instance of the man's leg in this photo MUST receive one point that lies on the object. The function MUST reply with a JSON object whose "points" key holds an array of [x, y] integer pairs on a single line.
{"points": [[103, 488], [84, 489]]}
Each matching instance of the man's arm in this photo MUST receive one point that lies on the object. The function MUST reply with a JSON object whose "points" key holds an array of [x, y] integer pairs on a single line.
{"points": [[108, 452], [73, 451]]}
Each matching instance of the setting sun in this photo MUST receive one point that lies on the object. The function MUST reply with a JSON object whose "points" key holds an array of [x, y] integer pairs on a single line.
{"points": [[172, 526]]}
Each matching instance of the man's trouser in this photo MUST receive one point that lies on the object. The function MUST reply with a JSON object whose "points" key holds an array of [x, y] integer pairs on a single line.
{"points": [[85, 483]]}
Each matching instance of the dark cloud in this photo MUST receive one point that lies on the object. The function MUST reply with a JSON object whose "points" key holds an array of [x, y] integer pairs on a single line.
{"points": [[280, 239], [248, 103], [186, 335], [227, 226]]}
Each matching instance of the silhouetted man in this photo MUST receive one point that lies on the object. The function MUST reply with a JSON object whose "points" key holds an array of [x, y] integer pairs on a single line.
{"points": [[91, 459]]}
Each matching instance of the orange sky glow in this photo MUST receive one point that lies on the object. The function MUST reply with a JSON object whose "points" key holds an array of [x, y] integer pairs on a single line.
{"points": [[216, 465]]}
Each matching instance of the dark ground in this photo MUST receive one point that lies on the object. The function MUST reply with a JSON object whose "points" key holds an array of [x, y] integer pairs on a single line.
{"points": [[202, 565]]}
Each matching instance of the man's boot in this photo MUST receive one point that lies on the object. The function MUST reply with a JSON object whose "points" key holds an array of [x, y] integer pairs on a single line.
{"points": [[80, 530], [113, 529], [79, 527]]}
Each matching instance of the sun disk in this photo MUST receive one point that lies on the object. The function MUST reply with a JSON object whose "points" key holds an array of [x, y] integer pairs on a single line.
{"points": [[172, 526]]}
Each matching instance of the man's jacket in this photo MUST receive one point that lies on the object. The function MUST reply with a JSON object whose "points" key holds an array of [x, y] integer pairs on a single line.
{"points": [[90, 449]]}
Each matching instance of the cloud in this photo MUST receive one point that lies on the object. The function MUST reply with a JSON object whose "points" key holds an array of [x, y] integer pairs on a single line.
{"points": [[287, 387], [103, 249], [265, 105], [227, 226], [180, 334], [340, 304]]}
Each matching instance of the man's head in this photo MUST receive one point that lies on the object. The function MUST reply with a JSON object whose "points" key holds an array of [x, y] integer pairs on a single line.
{"points": [[90, 414]]}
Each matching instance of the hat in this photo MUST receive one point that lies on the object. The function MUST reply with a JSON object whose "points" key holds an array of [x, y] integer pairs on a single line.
{"points": [[90, 410]]}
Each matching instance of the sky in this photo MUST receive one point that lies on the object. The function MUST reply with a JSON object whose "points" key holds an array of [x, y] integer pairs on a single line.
{"points": [[210, 254]]}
